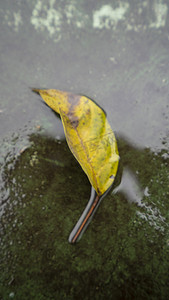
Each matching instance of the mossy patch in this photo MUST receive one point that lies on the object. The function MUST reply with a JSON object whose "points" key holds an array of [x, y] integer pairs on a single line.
{"points": [[123, 254]]}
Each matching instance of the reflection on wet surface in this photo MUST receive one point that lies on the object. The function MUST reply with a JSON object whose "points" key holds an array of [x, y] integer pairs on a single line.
{"points": [[130, 187], [132, 191]]}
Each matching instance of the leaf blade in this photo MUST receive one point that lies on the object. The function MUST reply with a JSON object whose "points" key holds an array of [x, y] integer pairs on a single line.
{"points": [[88, 134]]}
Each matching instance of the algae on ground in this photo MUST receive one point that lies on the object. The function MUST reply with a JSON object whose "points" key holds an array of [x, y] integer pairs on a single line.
{"points": [[122, 255]]}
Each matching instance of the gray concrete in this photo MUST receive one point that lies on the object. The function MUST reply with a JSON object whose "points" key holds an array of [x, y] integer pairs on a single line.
{"points": [[115, 52]]}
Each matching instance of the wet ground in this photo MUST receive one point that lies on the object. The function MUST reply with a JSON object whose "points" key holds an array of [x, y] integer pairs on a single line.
{"points": [[116, 53]]}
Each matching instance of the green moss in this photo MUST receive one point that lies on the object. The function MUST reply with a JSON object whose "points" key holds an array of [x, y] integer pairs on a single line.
{"points": [[121, 256]]}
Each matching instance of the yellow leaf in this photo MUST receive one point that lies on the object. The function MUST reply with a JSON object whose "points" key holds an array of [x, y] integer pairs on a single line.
{"points": [[88, 134]]}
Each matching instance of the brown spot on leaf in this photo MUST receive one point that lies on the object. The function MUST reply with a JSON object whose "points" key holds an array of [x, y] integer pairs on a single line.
{"points": [[88, 111], [73, 100], [74, 121]]}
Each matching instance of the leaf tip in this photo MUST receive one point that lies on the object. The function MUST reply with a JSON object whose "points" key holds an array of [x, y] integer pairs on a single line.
{"points": [[35, 90]]}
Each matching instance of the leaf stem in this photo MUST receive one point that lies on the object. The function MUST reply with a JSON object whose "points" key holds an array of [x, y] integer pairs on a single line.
{"points": [[86, 217]]}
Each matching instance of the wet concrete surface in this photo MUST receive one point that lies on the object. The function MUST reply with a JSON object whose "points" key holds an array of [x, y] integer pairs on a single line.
{"points": [[117, 54]]}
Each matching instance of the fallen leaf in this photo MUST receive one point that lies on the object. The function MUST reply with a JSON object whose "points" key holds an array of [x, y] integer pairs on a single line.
{"points": [[88, 134]]}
